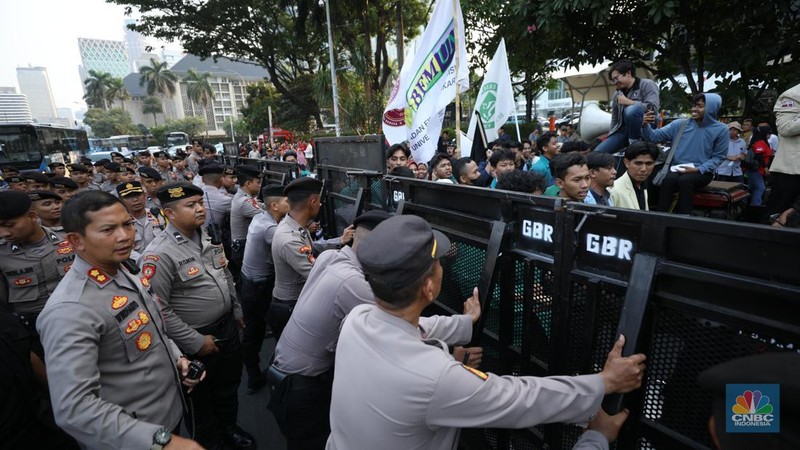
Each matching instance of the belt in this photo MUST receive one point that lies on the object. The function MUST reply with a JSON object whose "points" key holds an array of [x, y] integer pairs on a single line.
{"points": [[217, 324], [296, 381], [284, 302]]}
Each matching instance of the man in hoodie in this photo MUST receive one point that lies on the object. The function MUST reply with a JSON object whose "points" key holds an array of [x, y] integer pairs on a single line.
{"points": [[700, 150], [785, 168]]}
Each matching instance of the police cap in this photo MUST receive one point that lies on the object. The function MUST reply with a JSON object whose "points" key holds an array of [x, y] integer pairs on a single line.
{"points": [[228, 170], [117, 155], [248, 171], [10, 169], [130, 170], [371, 219], [127, 160], [144, 153], [63, 183], [116, 168], [85, 160], [37, 177], [211, 168], [400, 250], [15, 179], [53, 165], [78, 168], [306, 185], [129, 188], [43, 195], [160, 154], [272, 190], [149, 172], [177, 191], [102, 162], [13, 204]]}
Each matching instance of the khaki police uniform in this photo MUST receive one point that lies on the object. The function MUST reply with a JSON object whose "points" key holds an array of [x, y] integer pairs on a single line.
{"points": [[243, 208], [147, 228], [395, 390], [111, 368], [198, 298], [305, 353], [217, 203], [293, 253]]}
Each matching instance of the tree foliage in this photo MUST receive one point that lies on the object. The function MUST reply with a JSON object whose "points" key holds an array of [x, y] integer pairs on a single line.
{"points": [[190, 125], [285, 113], [97, 89], [111, 122], [152, 105]]}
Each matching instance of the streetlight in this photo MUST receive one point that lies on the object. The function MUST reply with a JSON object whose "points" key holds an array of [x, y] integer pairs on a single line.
{"points": [[233, 99]]}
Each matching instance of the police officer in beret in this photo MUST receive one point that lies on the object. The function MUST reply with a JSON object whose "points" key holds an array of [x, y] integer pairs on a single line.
{"points": [[188, 271], [47, 206], [33, 259], [114, 376], [218, 203], [244, 207], [293, 251], [57, 168], [163, 165], [151, 181], [117, 157], [114, 174], [144, 158], [145, 223], [63, 186], [37, 181], [395, 388], [181, 171], [257, 279], [81, 175], [100, 171], [302, 371], [17, 183], [9, 171]]}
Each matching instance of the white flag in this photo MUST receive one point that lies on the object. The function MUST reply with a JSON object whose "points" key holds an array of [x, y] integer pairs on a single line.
{"points": [[427, 83], [495, 102]]}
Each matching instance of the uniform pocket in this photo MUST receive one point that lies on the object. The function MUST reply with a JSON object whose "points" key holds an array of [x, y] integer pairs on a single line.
{"points": [[23, 288], [139, 334], [190, 272]]}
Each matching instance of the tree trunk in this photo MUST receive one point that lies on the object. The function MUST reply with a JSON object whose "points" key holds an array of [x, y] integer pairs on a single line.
{"points": [[155, 122], [399, 33]]}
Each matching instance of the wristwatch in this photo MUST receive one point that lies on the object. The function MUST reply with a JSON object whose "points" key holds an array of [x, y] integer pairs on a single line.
{"points": [[161, 438]]}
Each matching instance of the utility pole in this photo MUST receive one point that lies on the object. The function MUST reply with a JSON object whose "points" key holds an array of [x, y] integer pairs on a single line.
{"points": [[333, 70], [401, 49]]}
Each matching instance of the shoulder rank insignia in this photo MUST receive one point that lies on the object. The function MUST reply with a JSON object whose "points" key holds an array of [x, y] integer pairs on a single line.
{"points": [[118, 301], [98, 276], [153, 258], [308, 252], [178, 237], [476, 372], [143, 341], [15, 247], [145, 282], [64, 250], [54, 238]]}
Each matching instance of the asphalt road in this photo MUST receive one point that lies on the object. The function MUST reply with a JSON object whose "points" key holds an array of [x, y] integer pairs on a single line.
{"points": [[253, 414]]}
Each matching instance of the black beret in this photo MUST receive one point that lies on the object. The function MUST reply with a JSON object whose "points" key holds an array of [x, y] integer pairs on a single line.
{"points": [[179, 156], [116, 168], [63, 183], [102, 162], [53, 165], [143, 153], [160, 154], [11, 169], [37, 177], [400, 250], [117, 155], [228, 170], [79, 168], [177, 191], [43, 195], [129, 188], [127, 160], [13, 204], [371, 219], [248, 171], [211, 168], [15, 179], [149, 172], [306, 184], [272, 190], [85, 160]]}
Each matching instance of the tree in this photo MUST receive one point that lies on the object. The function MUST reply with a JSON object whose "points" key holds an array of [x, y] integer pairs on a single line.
{"points": [[111, 122], [285, 113], [97, 89], [287, 37], [240, 127], [159, 80], [190, 125], [116, 91], [199, 90], [152, 105]]}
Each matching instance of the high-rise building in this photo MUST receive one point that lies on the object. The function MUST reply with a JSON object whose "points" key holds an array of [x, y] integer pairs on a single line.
{"points": [[14, 107], [35, 84], [137, 48], [103, 55]]}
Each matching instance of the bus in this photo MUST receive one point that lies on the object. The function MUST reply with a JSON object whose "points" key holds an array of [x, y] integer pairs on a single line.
{"points": [[129, 142], [176, 140], [32, 146]]}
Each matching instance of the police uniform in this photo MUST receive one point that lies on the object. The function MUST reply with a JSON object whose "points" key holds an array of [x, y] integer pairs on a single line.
{"points": [[198, 299], [40, 195], [30, 271], [243, 208], [304, 356], [112, 371], [395, 387], [111, 186], [147, 227], [217, 203]]}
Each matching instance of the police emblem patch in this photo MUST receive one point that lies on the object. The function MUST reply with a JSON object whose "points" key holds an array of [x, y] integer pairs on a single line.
{"points": [[308, 252], [148, 270], [175, 192], [143, 341], [64, 250], [192, 271], [22, 281], [144, 317], [118, 301], [133, 326], [153, 258], [145, 282]]}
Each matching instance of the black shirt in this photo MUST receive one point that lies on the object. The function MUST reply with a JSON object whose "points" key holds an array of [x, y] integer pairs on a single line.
{"points": [[640, 196]]}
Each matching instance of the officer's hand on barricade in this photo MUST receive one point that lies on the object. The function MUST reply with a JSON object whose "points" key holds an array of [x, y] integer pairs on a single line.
{"points": [[183, 369], [471, 356], [472, 306], [347, 236], [622, 374], [312, 227], [179, 443], [209, 346], [607, 425]]}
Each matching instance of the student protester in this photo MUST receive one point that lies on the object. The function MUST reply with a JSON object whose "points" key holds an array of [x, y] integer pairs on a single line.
{"points": [[731, 168], [519, 181], [466, 171], [548, 148], [630, 190], [602, 175], [572, 176], [442, 168], [501, 162]]}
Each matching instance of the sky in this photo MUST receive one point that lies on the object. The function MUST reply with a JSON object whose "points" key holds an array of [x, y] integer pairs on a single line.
{"points": [[45, 33]]}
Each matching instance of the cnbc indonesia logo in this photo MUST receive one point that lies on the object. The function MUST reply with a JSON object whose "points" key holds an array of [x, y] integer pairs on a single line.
{"points": [[753, 408]]}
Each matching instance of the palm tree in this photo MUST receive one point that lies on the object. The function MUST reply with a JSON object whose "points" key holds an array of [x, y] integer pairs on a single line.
{"points": [[116, 91], [152, 105], [97, 89], [199, 90], [159, 80]]}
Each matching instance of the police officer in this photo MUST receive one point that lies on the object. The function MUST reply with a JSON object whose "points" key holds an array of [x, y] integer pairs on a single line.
{"points": [[100, 172], [396, 389], [244, 207], [17, 183], [218, 203], [57, 168], [257, 280], [144, 159], [47, 206], [81, 175], [33, 259], [188, 271], [151, 181], [293, 251], [115, 174], [117, 157], [64, 187], [37, 181], [145, 223], [304, 356], [114, 376], [164, 166]]}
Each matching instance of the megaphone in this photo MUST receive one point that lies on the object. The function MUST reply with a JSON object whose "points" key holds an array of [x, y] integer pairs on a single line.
{"points": [[594, 122]]}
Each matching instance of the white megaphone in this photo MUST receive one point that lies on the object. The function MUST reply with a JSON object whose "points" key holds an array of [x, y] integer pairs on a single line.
{"points": [[594, 122]]}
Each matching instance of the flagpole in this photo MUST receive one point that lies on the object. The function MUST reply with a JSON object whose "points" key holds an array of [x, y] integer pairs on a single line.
{"points": [[516, 121], [458, 90]]}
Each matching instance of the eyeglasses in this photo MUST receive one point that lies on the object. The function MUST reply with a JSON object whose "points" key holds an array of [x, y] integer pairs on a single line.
{"points": [[615, 80]]}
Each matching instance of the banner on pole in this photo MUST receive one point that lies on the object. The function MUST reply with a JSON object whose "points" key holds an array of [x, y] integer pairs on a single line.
{"points": [[428, 83], [495, 102]]}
